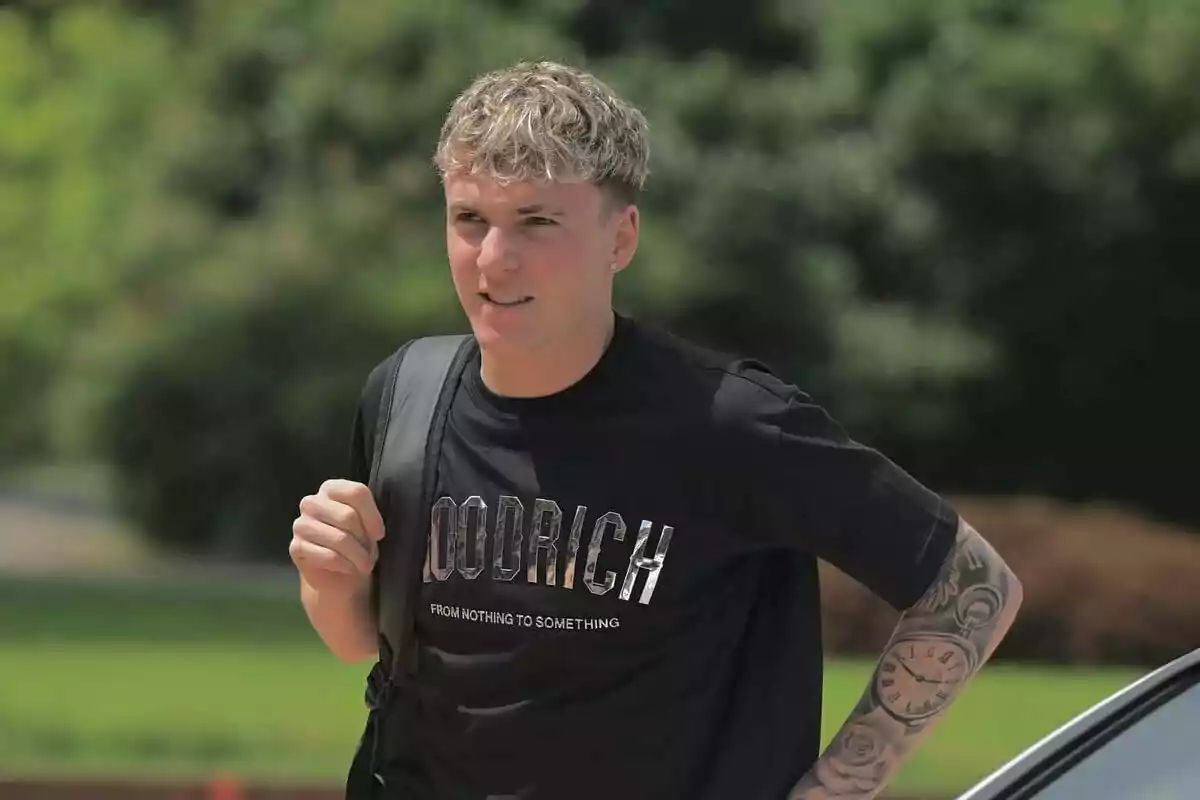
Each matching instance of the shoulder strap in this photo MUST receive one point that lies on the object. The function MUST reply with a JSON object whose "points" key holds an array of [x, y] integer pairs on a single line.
{"points": [[412, 417]]}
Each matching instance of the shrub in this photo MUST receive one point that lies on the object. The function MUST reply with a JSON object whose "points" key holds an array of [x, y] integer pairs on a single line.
{"points": [[218, 430]]}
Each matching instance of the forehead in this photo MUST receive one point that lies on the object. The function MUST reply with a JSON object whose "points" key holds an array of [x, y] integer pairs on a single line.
{"points": [[479, 191]]}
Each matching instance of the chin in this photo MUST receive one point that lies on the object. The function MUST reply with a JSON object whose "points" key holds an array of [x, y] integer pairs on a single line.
{"points": [[497, 341], [511, 344]]}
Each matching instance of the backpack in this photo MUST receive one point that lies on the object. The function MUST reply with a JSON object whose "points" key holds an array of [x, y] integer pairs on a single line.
{"points": [[411, 420]]}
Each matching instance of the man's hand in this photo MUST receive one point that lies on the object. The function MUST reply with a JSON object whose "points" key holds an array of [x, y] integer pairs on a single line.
{"points": [[335, 540]]}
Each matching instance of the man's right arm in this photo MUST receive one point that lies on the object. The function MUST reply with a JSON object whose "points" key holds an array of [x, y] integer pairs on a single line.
{"points": [[335, 544], [335, 540], [345, 622]]}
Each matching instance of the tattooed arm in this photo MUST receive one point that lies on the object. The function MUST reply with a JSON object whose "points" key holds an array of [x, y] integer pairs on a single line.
{"points": [[938, 646]]}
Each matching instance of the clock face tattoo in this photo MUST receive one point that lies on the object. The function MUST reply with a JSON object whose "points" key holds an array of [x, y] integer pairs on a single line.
{"points": [[918, 677]]}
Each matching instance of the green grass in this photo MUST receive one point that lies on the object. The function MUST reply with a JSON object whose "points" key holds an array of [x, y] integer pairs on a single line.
{"points": [[192, 679]]}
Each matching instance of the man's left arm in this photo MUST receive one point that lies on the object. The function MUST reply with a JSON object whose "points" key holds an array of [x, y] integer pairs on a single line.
{"points": [[938, 646]]}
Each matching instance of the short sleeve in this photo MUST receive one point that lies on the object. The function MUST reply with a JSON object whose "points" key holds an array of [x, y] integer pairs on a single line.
{"points": [[806, 484]]}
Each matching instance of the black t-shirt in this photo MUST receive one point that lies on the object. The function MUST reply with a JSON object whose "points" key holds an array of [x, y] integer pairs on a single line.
{"points": [[621, 598]]}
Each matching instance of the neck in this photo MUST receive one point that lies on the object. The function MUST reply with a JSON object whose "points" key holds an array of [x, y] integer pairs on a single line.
{"points": [[551, 369]]}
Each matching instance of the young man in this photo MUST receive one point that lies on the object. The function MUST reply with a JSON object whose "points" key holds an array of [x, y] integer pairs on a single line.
{"points": [[621, 599]]}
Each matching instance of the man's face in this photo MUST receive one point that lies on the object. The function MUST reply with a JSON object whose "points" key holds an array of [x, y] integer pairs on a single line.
{"points": [[533, 263]]}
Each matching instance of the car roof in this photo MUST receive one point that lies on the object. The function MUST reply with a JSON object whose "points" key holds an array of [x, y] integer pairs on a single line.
{"points": [[1045, 749]]}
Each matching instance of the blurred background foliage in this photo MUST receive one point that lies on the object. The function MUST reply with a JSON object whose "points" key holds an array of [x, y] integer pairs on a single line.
{"points": [[963, 225]]}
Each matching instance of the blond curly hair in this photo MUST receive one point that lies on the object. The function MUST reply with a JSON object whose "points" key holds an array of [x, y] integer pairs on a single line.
{"points": [[544, 121]]}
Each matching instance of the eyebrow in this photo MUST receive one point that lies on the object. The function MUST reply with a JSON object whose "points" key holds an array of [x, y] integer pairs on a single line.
{"points": [[536, 208]]}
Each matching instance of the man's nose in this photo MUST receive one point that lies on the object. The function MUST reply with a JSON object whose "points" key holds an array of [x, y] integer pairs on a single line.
{"points": [[496, 251]]}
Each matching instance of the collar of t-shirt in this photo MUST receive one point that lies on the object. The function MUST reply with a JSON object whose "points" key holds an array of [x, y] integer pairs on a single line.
{"points": [[584, 393]]}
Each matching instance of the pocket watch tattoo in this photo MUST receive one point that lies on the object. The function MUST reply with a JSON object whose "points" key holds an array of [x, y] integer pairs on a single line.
{"points": [[917, 677]]}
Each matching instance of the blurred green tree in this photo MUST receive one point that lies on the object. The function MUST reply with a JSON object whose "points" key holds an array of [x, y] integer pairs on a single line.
{"points": [[1051, 152], [78, 88], [224, 423], [295, 241], [962, 224]]}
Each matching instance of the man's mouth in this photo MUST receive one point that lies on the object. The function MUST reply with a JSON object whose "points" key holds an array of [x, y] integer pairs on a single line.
{"points": [[503, 302]]}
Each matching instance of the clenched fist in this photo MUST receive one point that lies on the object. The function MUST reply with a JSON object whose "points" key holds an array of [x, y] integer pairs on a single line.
{"points": [[335, 540]]}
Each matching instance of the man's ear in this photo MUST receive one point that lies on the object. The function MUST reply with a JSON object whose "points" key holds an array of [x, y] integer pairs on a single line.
{"points": [[625, 242]]}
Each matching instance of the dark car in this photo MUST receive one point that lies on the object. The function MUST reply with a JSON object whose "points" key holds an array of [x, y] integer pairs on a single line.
{"points": [[1142, 743]]}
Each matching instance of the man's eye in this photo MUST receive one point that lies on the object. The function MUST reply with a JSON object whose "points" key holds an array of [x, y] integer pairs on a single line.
{"points": [[538, 221], [467, 216]]}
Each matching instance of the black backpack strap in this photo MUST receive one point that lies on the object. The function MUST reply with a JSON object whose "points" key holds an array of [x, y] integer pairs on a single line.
{"points": [[411, 419], [404, 479]]}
